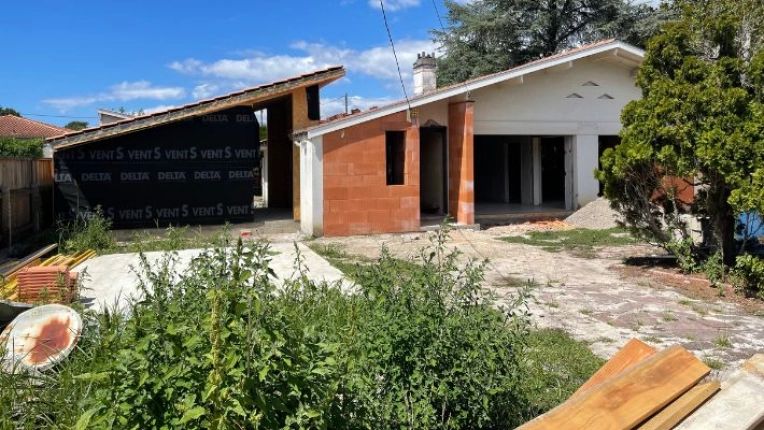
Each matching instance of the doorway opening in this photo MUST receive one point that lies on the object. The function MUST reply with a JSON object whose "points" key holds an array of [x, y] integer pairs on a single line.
{"points": [[433, 172], [553, 171]]}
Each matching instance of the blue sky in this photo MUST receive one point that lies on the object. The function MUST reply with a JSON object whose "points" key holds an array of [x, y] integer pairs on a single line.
{"points": [[66, 59]]}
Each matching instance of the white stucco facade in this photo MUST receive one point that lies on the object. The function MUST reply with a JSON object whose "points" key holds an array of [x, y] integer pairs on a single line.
{"points": [[572, 98], [312, 186]]}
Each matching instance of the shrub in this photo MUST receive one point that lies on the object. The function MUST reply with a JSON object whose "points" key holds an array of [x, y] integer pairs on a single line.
{"points": [[25, 148], [749, 275], [221, 345], [86, 231]]}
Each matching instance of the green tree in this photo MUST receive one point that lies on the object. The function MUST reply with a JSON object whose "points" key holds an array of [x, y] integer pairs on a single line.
{"points": [[701, 116], [76, 125], [26, 148], [9, 111], [492, 35]]}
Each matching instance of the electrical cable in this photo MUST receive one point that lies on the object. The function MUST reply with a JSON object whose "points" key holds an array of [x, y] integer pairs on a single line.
{"points": [[58, 116], [442, 27], [390, 36]]}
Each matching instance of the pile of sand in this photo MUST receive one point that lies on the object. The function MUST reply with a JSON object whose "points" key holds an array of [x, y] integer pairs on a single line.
{"points": [[596, 215]]}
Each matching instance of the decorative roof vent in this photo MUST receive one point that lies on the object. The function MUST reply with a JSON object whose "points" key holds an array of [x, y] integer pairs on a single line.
{"points": [[575, 96], [590, 84], [605, 97]]}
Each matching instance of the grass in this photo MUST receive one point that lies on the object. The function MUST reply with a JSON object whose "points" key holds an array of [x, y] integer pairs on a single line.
{"points": [[668, 316], [558, 365], [652, 339], [723, 341], [714, 363], [694, 306], [580, 241]]}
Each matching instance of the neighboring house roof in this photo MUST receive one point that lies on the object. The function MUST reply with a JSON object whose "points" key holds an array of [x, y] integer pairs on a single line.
{"points": [[246, 97], [25, 128], [106, 116], [612, 50]]}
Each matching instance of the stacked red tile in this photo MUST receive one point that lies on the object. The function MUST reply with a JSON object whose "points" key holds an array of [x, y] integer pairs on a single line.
{"points": [[48, 284]]}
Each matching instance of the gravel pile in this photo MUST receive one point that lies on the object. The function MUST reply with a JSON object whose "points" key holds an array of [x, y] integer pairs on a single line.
{"points": [[596, 215]]}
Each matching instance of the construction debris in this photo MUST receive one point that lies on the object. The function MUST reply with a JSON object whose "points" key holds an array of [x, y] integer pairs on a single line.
{"points": [[641, 388], [39, 338], [9, 291]]}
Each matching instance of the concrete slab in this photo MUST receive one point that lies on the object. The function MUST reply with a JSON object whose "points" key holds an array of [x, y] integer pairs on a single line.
{"points": [[111, 281]]}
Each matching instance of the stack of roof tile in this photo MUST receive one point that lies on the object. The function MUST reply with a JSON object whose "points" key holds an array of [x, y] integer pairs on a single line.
{"points": [[48, 284]]}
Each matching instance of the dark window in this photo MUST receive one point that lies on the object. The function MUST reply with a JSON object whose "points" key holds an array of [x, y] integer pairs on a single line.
{"points": [[395, 152], [314, 105]]}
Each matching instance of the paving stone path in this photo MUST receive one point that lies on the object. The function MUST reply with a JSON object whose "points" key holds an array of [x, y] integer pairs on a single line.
{"points": [[591, 299]]}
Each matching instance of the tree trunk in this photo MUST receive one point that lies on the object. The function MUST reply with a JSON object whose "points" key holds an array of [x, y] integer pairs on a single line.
{"points": [[724, 222]]}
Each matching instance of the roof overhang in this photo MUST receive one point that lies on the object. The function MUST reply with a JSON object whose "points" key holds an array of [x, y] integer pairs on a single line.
{"points": [[248, 97], [612, 51]]}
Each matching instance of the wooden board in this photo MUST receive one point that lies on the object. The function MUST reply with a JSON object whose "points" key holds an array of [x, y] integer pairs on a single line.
{"points": [[631, 354], [739, 405], [627, 399], [680, 408]]}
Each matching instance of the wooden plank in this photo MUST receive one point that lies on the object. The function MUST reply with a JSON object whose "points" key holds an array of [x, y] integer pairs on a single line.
{"points": [[739, 405], [631, 354], [630, 397], [680, 408]]}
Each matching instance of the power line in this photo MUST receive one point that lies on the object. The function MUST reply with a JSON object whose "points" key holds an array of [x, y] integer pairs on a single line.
{"points": [[390, 36], [58, 116], [442, 27], [438, 14]]}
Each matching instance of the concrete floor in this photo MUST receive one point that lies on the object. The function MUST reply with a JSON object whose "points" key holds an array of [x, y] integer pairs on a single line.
{"points": [[111, 281]]}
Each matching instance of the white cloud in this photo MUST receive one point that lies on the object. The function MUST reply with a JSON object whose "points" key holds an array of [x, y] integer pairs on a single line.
{"points": [[258, 68], [394, 5], [124, 91], [205, 91], [333, 106], [156, 109]]}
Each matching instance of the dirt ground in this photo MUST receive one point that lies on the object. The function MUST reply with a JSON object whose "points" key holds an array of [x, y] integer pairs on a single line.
{"points": [[599, 299]]}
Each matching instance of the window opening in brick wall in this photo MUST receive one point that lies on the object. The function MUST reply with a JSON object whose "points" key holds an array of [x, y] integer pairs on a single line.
{"points": [[395, 153]]}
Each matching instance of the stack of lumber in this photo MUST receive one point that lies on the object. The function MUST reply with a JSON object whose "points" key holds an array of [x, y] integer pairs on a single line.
{"points": [[9, 289], [46, 284], [641, 388]]}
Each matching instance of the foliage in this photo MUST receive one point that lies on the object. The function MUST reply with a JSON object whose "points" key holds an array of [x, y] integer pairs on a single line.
{"points": [[701, 117], [579, 240], [87, 231], [749, 274], [76, 125], [557, 367], [9, 111], [488, 36], [23, 148], [219, 345], [686, 258], [714, 268]]}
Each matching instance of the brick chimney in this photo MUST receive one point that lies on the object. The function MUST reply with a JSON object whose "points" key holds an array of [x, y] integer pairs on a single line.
{"points": [[424, 73]]}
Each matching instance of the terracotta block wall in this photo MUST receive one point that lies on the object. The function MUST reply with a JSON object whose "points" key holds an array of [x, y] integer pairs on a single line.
{"points": [[357, 199], [461, 162]]}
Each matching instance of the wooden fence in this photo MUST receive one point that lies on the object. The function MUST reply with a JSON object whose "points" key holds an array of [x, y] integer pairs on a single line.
{"points": [[26, 198]]}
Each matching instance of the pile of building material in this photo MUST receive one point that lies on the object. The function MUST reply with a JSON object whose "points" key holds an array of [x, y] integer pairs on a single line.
{"points": [[33, 267], [641, 388], [46, 284], [597, 215]]}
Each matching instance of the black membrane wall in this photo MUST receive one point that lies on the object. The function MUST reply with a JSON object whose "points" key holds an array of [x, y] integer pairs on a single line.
{"points": [[194, 171]]}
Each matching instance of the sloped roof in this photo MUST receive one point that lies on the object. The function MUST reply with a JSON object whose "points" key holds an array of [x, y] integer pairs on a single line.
{"points": [[611, 49], [245, 97], [25, 128]]}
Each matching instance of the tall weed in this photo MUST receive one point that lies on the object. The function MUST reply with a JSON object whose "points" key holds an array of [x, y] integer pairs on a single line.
{"points": [[224, 345]]}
